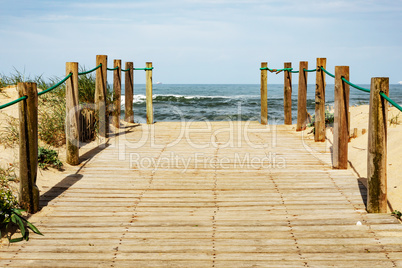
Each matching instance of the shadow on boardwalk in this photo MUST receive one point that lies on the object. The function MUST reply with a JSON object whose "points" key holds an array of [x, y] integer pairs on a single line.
{"points": [[225, 194]]}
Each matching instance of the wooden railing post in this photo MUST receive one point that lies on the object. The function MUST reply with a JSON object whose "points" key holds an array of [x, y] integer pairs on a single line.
{"points": [[116, 93], [302, 97], [100, 96], [148, 89], [341, 118], [72, 115], [319, 122], [377, 147], [287, 94], [129, 91], [264, 94], [28, 114]]}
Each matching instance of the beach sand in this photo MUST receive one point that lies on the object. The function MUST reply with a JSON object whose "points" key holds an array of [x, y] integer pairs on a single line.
{"points": [[357, 150]]}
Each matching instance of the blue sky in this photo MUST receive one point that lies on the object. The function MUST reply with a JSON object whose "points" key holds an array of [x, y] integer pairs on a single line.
{"points": [[204, 41]]}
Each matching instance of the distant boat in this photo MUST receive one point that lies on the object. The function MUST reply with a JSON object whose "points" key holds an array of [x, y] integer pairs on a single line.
{"points": [[160, 83], [400, 82]]}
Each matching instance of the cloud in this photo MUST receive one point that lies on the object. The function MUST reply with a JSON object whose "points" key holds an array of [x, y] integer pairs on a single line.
{"points": [[202, 32]]}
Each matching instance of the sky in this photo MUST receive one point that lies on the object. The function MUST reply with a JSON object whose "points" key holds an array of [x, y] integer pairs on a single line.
{"points": [[203, 41]]}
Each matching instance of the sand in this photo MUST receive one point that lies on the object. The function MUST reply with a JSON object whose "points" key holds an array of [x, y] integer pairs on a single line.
{"points": [[357, 150]]}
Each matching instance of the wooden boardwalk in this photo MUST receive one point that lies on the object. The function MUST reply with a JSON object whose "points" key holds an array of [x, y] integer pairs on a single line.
{"points": [[208, 195]]}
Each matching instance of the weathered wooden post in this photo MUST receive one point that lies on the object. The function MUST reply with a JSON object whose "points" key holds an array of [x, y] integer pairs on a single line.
{"points": [[129, 91], [341, 118], [319, 123], [377, 147], [302, 97], [28, 114], [72, 115], [287, 94], [116, 93], [100, 96], [264, 93], [148, 89]]}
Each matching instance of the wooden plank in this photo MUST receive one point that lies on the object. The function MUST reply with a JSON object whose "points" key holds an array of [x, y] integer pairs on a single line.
{"points": [[319, 122], [116, 93], [341, 118], [264, 94], [377, 147], [304, 214], [129, 92], [287, 94], [72, 115], [100, 96], [302, 97], [28, 149], [149, 95]]}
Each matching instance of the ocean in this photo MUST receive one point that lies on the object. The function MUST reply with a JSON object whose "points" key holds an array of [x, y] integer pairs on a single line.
{"points": [[223, 102]]}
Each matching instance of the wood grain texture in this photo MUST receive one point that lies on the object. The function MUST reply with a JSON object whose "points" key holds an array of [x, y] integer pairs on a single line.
{"points": [[302, 97], [287, 94], [129, 93], [148, 89], [377, 147], [341, 118], [28, 149], [116, 93], [319, 122], [100, 96], [241, 194], [72, 115]]}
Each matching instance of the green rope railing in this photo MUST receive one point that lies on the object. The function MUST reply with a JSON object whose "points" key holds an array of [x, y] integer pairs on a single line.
{"points": [[355, 86], [391, 101], [346, 81], [366, 90], [276, 70], [343, 79], [40, 93], [64, 80], [266, 68], [58, 84], [328, 73], [143, 69], [125, 70], [286, 69], [13, 102], [90, 71], [309, 71]]}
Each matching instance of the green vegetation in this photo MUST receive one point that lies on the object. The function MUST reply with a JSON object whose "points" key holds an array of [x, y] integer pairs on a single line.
{"points": [[52, 107], [329, 119], [394, 120], [3, 82], [10, 212], [52, 115], [48, 158], [10, 133], [51, 130], [397, 214], [18, 76], [86, 87]]}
